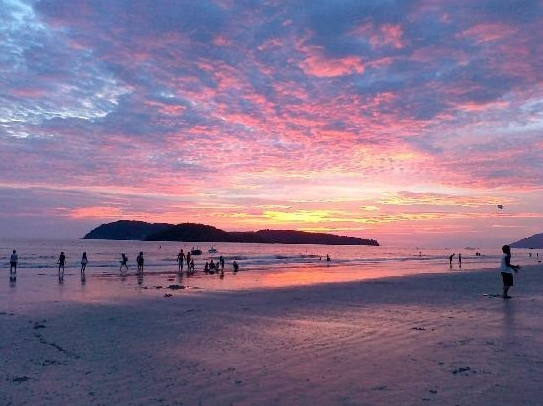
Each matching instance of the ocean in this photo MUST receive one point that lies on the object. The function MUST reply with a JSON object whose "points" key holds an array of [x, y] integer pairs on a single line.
{"points": [[40, 256]]}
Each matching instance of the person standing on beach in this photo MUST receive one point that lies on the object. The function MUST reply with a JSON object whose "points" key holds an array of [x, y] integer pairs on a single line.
{"points": [[221, 261], [61, 261], [460, 260], [235, 266], [139, 260], [180, 260], [506, 268], [13, 263], [84, 261], [450, 260]]}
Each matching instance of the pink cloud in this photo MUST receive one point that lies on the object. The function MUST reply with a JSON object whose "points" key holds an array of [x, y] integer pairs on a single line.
{"points": [[486, 32], [316, 64]]}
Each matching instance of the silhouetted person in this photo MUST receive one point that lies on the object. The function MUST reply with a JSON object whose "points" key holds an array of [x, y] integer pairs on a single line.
{"points": [[13, 262], [61, 261], [124, 260], [506, 268], [191, 267], [328, 258], [180, 260], [221, 261], [450, 260], [460, 260], [140, 262], [236, 266], [84, 261], [211, 267], [206, 268]]}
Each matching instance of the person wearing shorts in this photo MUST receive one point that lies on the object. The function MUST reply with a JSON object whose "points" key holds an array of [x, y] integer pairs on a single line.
{"points": [[507, 271]]}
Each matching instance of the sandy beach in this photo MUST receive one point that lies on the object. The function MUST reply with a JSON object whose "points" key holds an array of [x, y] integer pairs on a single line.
{"points": [[412, 340]]}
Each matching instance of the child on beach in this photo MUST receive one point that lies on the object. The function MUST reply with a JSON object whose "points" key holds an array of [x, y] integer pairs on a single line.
{"points": [[236, 266], [124, 260], [13, 263], [506, 268], [191, 267]]}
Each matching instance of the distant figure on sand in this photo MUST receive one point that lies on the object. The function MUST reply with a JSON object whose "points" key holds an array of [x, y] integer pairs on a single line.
{"points": [[13, 262], [221, 261], [124, 260], [506, 268], [236, 266], [460, 260], [187, 257], [328, 258], [206, 268], [450, 259], [84, 261], [140, 261], [180, 260], [61, 261]]}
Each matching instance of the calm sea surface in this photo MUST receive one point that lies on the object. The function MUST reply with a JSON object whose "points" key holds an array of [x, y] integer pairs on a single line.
{"points": [[40, 256]]}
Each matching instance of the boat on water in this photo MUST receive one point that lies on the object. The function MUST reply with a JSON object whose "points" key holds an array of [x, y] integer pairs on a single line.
{"points": [[212, 250], [195, 251]]}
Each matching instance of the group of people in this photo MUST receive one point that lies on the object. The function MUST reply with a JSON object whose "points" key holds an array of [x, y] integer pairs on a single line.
{"points": [[181, 259], [459, 260], [209, 268]]}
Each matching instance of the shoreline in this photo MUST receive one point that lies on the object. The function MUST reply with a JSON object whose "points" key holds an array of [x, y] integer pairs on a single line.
{"points": [[409, 340]]}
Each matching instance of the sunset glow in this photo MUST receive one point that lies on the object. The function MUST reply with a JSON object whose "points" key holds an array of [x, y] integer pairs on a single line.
{"points": [[403, 121]]}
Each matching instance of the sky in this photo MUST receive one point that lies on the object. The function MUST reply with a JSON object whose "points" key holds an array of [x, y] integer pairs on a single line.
{"points": [[403, 121]]}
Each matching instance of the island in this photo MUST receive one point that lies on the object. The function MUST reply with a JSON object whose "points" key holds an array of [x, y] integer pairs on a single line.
{"points": [[535, 241], [141, 230]]}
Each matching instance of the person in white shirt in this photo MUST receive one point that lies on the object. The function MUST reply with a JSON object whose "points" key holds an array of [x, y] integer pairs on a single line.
{"points": [[13, 262], [506, 270]]}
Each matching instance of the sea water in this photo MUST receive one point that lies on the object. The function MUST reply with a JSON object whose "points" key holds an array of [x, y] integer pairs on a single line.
{"points": [[40, 256]]}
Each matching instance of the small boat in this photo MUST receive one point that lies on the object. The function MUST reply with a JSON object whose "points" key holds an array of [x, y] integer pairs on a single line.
{"points": [[212, 250], [195, 251]]}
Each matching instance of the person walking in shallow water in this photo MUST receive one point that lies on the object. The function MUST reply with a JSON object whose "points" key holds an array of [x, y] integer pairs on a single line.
{"points": [[180, 261], [140, 262], [61, 261], [124, 260], [506, 268], [13, 263], [450, 260], [460, 260], [84, 261]]}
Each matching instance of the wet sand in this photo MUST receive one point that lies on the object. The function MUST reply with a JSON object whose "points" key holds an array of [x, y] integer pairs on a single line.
{"points": [[417, 340]]}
